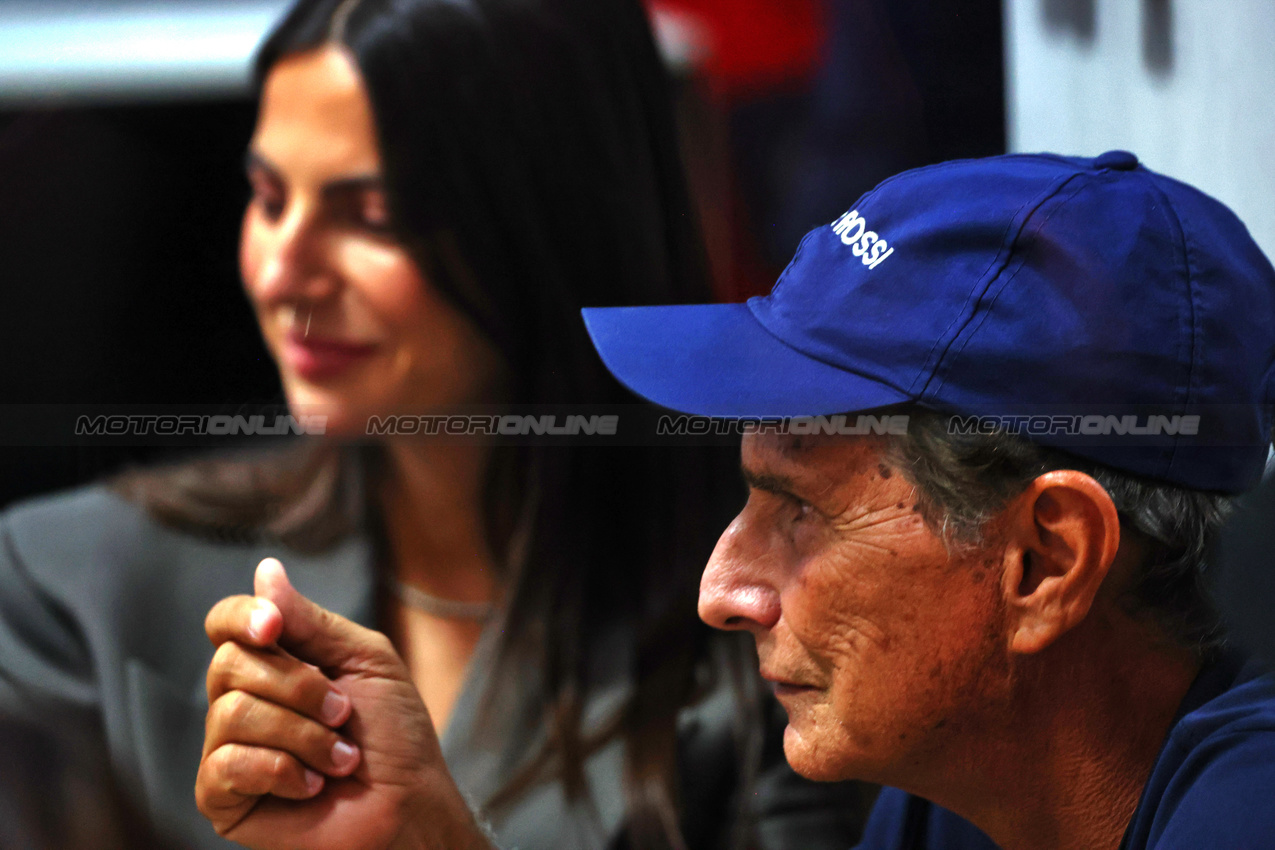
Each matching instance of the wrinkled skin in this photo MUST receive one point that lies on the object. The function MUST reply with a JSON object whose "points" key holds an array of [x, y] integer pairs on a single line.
{"points": [[879, 640]]}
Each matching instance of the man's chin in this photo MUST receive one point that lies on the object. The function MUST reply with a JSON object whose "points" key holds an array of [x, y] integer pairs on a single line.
{"points": [[814, 758]]}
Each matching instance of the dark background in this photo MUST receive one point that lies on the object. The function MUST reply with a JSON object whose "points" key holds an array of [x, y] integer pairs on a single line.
{"points": [[118, 257]]}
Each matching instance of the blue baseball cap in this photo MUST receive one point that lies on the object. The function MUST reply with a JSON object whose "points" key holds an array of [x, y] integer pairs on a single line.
{"points": [[1071, 293]]}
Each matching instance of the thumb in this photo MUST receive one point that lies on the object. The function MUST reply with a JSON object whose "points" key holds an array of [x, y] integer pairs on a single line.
{"points": [[311, 632]]}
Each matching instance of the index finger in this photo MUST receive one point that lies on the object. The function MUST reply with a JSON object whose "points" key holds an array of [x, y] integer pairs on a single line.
{"points": [[249, 620]]}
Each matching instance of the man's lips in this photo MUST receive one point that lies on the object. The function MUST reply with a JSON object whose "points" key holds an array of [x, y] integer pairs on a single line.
{"points": [[783, 689], [315, 358], [782, 685]]}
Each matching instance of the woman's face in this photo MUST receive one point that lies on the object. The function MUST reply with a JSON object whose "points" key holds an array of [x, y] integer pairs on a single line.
{"points": [[354, 326]]}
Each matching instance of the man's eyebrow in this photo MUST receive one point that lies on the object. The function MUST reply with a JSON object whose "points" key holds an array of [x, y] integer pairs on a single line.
{"points": [[769, 482], [254, 161]]}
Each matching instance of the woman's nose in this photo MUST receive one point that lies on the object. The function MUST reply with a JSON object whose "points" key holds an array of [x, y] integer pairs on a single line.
{"points": [[291, 262], [736, 591]]}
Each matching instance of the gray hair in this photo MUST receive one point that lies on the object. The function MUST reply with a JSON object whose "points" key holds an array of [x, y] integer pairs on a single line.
{"points": [[963, 480]]}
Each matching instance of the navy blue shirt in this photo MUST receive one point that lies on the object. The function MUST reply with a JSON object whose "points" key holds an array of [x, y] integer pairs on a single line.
{"points": [[1213, 784]]}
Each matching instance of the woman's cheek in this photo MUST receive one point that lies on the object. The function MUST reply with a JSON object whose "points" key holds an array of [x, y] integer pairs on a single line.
{"points": [[249, 254], [389, 283]]}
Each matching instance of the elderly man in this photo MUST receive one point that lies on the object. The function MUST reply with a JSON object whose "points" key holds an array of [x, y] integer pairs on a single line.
{"points": [[985, 592], [1000, 611]]}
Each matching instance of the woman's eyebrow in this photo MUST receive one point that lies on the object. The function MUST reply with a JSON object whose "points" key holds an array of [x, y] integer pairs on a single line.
{"points": [[353, 184], [255, 161]]}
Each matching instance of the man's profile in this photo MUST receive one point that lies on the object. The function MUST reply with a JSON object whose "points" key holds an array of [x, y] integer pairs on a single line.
{"points": [[1003, 611]]}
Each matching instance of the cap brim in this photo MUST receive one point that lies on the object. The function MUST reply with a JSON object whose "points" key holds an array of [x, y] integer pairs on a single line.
{"points": [[718, 360]]}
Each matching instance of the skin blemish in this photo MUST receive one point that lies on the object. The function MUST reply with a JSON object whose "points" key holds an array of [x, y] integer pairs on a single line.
{"points": [[884, 470], [899, 506], [916, 508]]}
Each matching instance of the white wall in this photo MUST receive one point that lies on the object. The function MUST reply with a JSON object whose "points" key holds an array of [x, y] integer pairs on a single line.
{"points": [[1187, 85], [128, 50]]}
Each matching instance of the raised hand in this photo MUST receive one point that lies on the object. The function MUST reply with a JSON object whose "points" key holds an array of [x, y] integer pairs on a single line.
{"points": [[316, 737]]}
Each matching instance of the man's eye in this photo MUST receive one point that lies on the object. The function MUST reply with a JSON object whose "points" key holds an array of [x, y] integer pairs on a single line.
{"points": [[804, 510]]}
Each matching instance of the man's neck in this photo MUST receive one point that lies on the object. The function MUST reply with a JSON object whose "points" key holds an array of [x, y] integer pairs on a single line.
{"points": [[1077, 743]]}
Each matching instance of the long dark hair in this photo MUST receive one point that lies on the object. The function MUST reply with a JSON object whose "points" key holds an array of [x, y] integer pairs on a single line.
{"points": [[531, 168]]}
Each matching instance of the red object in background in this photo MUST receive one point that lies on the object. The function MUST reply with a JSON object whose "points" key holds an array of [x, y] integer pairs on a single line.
{"points": [[738, 52], [753, 45]]}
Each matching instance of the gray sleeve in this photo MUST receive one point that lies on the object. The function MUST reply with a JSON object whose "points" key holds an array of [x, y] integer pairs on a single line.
{"points": [[56, 785], [46, 670]]}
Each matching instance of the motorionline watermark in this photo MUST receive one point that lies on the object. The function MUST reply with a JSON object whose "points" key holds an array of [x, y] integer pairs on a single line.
{"points": [[493, 425], [1030, 425], [682, 425], [1077, 425], [198, 425]]}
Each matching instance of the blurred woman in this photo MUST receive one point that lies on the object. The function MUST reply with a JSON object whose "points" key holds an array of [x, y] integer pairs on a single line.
{"points": [[437, 187]]}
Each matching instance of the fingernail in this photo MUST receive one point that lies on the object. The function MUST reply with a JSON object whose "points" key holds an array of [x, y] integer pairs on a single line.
{"points": [[344, 756], [257, 622], [333, 711], [313, 781]]}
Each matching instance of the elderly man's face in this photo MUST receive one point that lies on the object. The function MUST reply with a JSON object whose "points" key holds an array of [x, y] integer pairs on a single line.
{"points": [[880, 645]]}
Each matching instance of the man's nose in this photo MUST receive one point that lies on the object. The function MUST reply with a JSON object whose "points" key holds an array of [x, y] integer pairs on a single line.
{"points": [[737, 591]]}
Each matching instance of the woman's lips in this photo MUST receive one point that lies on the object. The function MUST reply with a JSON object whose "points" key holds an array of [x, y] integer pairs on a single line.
{"points": [[315, 358]]}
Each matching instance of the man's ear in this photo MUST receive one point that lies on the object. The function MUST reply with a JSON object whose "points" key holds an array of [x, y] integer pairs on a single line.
{"points": [[1063, 533]]}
